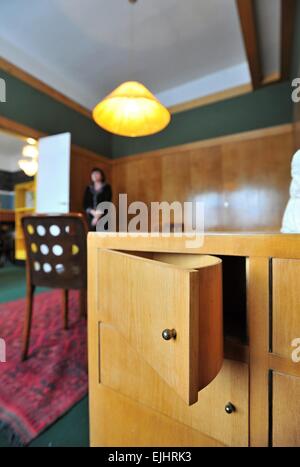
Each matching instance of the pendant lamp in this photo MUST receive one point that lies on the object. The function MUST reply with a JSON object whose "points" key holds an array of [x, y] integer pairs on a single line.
{"points": [[131, 110], [29, 164]]}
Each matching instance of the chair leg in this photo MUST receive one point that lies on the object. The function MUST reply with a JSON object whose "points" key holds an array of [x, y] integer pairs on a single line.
{"points": [[83, 302], [65, 294], [27, 324]]}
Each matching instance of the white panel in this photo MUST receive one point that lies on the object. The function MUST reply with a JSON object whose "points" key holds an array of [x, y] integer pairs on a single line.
{"points": [[53, 178]]}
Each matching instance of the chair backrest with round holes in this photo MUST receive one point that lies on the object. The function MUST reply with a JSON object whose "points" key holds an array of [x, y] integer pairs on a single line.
{"points": [[56, 247]]}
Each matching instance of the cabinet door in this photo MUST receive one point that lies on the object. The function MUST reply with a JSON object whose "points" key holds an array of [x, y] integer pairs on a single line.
{"points": [[142, 297], [286, 410], [286, 305]]}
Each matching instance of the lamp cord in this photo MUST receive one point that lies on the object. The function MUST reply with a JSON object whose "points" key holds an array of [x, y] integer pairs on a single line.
{"points": [[131, 40]]}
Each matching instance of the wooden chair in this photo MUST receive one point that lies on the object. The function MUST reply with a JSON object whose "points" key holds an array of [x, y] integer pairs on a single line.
{"points": [[56, 258]]}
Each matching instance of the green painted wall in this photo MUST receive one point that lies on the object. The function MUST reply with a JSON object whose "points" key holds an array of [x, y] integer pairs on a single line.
{"points": [[35, 109], [265, 107]]}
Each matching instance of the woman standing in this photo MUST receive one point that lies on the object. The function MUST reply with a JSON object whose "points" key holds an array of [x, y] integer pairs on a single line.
{"points": [[95, 194]]}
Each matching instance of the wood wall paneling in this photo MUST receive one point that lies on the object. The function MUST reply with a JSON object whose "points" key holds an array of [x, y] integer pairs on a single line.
{"points": [[82, 162], [175, 177], [249, 171], [206, 181], [140, 180], [256, 176], [243, 181]]}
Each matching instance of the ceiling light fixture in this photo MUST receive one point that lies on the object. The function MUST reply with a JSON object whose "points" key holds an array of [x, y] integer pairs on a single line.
{"points": [[30, 151], [131, 110], [31, 141], [29, 164]]}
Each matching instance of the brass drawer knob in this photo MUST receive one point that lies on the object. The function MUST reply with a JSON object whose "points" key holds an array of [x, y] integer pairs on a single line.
{"points": [[229, 408], [169, 334]]}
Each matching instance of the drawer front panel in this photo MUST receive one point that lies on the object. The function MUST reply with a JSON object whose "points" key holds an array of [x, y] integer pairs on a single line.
{"points": [[131, 424], [286, 410], [286, 305], [123, 369]]}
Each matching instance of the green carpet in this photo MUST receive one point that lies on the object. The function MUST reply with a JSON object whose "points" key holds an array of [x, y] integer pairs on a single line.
{"points": [[13, 283], [71, 430]]}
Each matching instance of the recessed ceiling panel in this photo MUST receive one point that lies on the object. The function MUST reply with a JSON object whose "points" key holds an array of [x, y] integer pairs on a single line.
{"points": [[85, 48]]}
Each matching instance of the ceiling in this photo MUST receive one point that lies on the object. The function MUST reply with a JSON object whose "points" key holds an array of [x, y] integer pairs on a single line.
{"points": [[84, 48], [10, 151]]}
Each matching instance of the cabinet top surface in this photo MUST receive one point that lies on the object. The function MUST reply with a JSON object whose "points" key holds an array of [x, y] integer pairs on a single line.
{"points": [[221, 243]]}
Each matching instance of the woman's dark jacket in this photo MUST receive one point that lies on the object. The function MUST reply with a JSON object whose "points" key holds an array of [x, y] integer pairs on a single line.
{"points": [[92, 198]]}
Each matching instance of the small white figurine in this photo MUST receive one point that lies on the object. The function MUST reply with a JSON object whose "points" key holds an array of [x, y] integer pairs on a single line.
{"points": [[291, 218]]}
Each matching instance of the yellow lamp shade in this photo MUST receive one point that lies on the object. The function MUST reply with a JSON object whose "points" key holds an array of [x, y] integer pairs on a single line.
{"points": [[131, 110]]}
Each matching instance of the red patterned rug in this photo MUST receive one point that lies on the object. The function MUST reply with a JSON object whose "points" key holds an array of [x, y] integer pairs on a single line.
{"points": [[35, 393]]}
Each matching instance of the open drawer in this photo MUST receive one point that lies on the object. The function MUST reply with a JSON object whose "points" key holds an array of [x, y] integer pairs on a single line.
{"points": [[168, 307]]}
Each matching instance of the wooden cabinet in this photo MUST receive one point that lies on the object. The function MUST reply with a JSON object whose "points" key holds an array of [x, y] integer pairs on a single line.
{"points": [[145, 391], [286, 410], [169, 310], [286, 305], [148, 390]]}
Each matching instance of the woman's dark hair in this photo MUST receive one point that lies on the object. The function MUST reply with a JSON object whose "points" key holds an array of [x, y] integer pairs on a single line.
{"points": [[100, 171]]}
